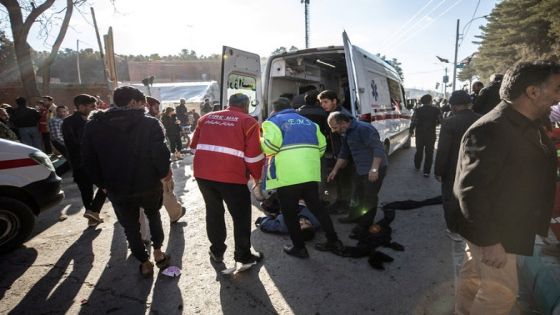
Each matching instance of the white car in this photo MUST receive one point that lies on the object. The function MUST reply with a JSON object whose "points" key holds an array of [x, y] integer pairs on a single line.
{"points": [[28, 185]]}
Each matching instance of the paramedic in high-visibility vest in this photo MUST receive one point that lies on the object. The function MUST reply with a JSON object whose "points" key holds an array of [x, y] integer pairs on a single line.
{"points": [[226, 151], [294, 146]]}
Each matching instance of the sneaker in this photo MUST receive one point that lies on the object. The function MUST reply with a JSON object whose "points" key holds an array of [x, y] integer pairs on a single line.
{"points": [[250, 262], [426, 175], [216, 258], [335, 247], [93, 216], [296, 252]]}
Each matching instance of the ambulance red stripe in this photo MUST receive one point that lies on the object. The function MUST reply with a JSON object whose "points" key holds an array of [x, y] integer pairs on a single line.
{"points": [[17, 163]]}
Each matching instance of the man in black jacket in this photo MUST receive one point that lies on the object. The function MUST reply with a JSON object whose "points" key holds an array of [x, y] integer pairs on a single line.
{"points": [[424, 122], [125, 153], [452, 130], [505, 184], [489, 96], [330, 103], [72, 132]]}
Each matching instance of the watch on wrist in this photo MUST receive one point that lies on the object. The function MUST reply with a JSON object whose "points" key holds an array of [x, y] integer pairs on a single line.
{"points": [[373, 170]]}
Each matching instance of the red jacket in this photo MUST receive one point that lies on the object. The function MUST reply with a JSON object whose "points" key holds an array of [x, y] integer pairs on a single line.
{"points": [[227, 147]]}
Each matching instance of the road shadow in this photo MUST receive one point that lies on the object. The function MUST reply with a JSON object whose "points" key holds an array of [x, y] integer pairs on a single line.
{"points": [[167, 297], [244, 292], [50, 295], [17, 261], [120, 288]]}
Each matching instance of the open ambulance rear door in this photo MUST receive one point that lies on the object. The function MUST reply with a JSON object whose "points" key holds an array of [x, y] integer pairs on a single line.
{"points": [[241, 73]]}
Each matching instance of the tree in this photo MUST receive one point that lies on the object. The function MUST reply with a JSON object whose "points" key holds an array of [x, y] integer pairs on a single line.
{"points": [[518, 30], [279, 51], [8, 68], [20, 32]]}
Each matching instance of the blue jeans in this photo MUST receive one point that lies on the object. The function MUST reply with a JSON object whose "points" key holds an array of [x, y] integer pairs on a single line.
{"points": [[31, 136]]}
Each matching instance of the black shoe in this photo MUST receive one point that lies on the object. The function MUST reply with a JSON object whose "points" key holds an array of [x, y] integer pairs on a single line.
{"points": [[335, 247], [426, 174], [250, 262], [216, 258], [296, 252]]}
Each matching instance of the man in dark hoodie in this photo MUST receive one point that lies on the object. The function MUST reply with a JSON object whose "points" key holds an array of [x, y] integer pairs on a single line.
{"points": [[125, 153]]}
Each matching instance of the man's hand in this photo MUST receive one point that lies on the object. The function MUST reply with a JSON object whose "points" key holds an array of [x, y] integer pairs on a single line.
{"points": [[331, 176], [168, 177], [494, 255], [373, 176]]}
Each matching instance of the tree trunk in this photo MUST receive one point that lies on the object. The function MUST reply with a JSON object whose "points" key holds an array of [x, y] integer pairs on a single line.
{"points": [[25, 65], [46, 66], [20, 30]]}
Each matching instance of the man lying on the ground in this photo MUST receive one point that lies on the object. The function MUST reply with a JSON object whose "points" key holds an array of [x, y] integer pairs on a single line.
{"points": [[275, 223]]}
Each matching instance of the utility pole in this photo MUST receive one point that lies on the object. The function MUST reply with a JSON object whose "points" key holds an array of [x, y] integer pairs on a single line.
{"points": [[445, 81], [78, 61], [456, 50], [306, 2]]}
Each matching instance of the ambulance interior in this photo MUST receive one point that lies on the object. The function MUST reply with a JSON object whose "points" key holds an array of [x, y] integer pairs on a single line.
{"points": [[293, 75]]}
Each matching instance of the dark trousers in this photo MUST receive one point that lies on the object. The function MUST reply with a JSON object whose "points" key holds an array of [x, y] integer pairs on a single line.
{"points": [[127, 209], [451, 208], [86, 187], [60, 147], [367, 196], [238, 200], [174, 143], [289, 197], [47, 142], [424, 145]]}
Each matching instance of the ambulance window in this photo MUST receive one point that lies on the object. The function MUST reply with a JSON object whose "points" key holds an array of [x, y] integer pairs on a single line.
{"points": [[238, 83], [395, 93]]}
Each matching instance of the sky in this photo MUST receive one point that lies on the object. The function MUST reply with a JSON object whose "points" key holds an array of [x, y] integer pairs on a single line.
{"points": [[413, 31]]}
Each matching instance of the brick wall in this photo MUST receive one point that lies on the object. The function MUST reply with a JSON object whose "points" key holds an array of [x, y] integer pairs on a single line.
{"points": [[63, 94]]}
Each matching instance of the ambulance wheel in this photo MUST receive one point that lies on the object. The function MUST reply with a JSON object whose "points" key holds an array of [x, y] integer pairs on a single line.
{"points": [[16, 223]]}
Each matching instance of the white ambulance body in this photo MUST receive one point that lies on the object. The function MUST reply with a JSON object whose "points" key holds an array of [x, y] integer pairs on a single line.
{"points": [[28, 185], [374, 88]]}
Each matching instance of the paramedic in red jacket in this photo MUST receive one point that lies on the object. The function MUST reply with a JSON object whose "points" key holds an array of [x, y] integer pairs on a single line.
{"points": [[227, 150]]}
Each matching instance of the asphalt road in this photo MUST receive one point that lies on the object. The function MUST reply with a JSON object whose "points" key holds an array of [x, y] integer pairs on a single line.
{"points": [[69, 268]]}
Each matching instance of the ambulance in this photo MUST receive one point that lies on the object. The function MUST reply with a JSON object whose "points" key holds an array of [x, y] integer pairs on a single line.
{"points": [[28, 185], [373, 87]]}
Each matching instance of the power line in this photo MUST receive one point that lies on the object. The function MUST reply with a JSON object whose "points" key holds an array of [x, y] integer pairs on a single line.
{"points": [[408, 22], [414, 25], [468, 28], [400, 43]]}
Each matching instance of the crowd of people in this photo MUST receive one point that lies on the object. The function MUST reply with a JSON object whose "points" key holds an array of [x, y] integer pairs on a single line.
{"points": [[495, 162]]}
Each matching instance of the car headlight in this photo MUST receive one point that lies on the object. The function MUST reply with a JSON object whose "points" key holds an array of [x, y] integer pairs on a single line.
{"points": [[42, 159]]}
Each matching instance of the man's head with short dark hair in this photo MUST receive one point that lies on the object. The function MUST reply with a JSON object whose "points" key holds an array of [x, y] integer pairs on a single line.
{"points": [[61, 111], [239, 100], [123, 95], [426, 99], [152, 101], [477, 86], [311, 98], [329, 100], [84, 99], [281, 104], [328, 94], [21, 102], [526, 74]]}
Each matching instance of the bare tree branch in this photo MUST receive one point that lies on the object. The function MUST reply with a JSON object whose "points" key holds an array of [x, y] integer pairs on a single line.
{"points": [[35, 14]]}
